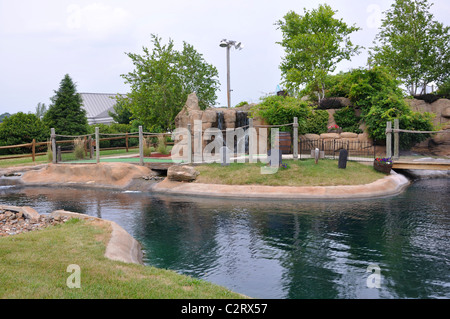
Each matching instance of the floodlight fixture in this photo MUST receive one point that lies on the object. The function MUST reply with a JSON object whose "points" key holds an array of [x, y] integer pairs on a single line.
{"points": [[223, 43], [228, 44]]}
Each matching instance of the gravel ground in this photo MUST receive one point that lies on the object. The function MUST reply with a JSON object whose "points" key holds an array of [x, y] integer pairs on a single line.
{"points": [[13, 222]]}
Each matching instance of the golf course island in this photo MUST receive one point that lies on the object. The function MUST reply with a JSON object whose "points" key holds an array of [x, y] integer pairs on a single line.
{"points": [[293, 180], [301, 179]]}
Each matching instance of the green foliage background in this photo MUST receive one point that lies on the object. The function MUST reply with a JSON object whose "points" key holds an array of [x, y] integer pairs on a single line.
{"points": [[279, 110], [21, 128], [379, 96]]}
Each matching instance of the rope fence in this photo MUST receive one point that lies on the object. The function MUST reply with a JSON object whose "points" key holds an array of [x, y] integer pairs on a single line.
{"points": [[87, 146], [396, 130], [91, 144], [417, 132]]}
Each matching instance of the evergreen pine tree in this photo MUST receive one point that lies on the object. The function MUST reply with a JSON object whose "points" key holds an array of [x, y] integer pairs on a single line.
{"points": [[65, 114]]}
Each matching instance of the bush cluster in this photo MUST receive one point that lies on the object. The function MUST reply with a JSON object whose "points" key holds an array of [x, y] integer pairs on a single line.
{"points": [[380, 98], [316, 122], [278, 110], [347, 119], [21, 128]]}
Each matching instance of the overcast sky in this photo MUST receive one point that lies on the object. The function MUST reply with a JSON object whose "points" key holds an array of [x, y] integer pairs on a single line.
{"points": [[42, 40]]}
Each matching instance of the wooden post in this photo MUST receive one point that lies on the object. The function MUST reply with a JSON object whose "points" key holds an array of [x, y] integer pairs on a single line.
{"points": [[396, 139], [389, 139], [33, 149], [53, 138], [141, 146], [126, 141], [85, 146], [91, 147], [58, 154], [189, 144], [97, 145], [251, 140], [295, 139]]}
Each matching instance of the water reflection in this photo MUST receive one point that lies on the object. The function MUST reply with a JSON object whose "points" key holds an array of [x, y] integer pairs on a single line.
{"points": [[282, 249]]}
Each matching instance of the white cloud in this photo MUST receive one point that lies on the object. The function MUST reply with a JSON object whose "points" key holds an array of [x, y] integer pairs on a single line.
{"points": [[97, 20]]}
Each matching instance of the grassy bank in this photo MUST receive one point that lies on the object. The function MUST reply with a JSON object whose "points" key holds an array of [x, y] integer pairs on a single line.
{"points": [[34, 265], [297, 173]]}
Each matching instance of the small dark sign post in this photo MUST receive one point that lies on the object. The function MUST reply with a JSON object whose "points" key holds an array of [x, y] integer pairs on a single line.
{"points": [[343, 156], [275, 154], [225, 156]]}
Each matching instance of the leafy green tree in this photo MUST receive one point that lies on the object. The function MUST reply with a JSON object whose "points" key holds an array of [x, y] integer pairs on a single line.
{"points": [[162, 80], [314, 43], [444, 87], [66, 114], [21, 128], [122, 113], [3, 116], [41, 109], [413, 45]]}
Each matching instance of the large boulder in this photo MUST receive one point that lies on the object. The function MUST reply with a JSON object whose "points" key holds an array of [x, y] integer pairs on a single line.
{"points": [[182, 173], [349, 135], [330, 136], [446, 112], [190, 112]]}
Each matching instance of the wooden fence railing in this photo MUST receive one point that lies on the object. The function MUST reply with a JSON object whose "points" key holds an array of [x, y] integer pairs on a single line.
{"points": [[32, 145], [88, 143]]}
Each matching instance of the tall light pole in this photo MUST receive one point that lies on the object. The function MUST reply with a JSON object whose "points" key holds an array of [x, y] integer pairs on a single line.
{"points": [[228, 44]]}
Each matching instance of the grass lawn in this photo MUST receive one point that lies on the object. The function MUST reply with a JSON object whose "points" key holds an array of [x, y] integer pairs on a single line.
{"points": [[34, 265], [297, 173]]}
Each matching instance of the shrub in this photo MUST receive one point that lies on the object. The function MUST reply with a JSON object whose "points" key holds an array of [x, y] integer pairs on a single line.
{"points": [[316, 122], [147, 147], [346, 119], [162, 147], [378, 94], [395, 107], [241, 104], [339, 85], [78, 149], [49, 152], [21, 128], [279, 110]]}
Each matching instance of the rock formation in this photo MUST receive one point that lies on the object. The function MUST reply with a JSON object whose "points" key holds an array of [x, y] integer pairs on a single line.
{"points": [[438, 144], [221, 118], [182, 173]]}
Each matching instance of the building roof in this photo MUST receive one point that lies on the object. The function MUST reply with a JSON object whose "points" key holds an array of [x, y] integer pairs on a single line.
{"points": [[97, 106]]}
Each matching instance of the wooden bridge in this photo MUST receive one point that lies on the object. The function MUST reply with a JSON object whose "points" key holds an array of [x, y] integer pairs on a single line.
{"points": [[405, 163], [443, 165]]}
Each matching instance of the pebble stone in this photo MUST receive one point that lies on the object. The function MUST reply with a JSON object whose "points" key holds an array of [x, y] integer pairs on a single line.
{"points": [[12, 223]]}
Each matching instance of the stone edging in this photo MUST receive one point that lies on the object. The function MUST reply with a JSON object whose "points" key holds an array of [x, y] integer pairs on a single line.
{"points": [[390, 185], [121, 246]]}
